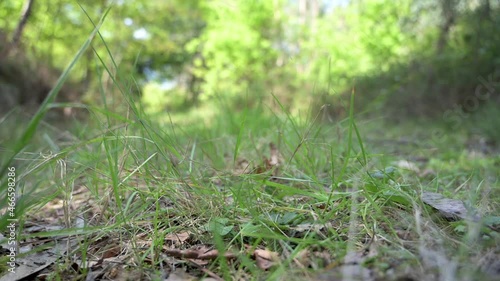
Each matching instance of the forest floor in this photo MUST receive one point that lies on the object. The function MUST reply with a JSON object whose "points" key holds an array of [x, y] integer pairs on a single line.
{"points": [[253, 195]]}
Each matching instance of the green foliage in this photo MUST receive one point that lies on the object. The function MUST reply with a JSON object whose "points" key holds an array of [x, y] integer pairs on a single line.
{"points": [[235, 46], [435, 80], [9, 10], [154, 98], [250, 177], [401, 54], [379, 27]]}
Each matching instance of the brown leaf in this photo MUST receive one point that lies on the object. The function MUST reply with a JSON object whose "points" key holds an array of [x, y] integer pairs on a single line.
{"points": [[198, 252], [178, 238], [451, 209], [190, 254], [213, 254], [112, 251], [31, 264], [199, 262], [265, 259]]}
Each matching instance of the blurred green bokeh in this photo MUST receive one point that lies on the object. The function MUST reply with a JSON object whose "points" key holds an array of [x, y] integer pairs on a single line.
{"points": [[402, 58]]}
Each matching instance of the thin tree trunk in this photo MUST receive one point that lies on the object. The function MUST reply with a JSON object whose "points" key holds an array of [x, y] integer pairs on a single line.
{"points": [[18, 32], [448, 14], [26, 13]]}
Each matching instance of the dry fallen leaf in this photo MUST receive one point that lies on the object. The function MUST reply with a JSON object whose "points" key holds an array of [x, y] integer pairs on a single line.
{"points": [[197, 252], [265, 259], [32, 264], [111, 251], [178, 238], [451, 209]]}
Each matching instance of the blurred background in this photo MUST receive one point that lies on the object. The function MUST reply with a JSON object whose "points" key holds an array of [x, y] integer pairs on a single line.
{"points": [[434, 59]]}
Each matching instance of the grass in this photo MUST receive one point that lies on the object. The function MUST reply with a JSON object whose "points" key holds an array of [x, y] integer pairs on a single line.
{"points": [[321, 201], [254, 194]]}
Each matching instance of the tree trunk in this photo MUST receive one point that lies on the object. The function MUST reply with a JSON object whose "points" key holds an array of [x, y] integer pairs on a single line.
{"points": [[26, 13], [448, 16], [18, 32]]}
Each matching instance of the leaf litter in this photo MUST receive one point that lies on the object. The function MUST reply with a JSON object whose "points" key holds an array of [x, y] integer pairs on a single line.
{"points": [[114, 259]]}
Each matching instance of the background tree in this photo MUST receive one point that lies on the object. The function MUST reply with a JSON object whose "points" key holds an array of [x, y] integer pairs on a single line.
{"points": [[181, 54]]}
